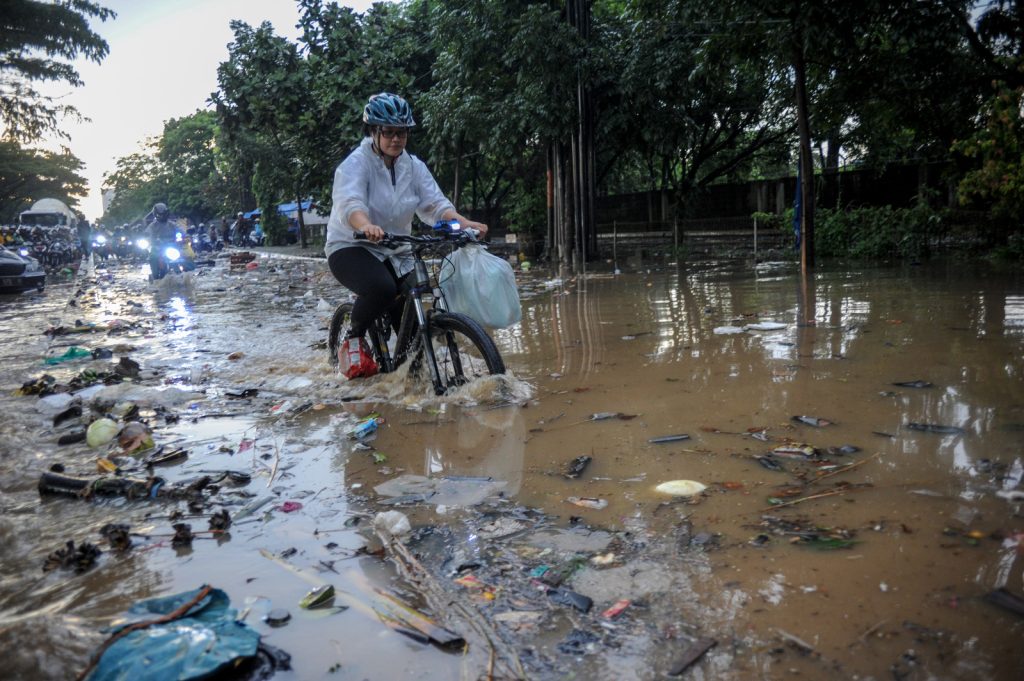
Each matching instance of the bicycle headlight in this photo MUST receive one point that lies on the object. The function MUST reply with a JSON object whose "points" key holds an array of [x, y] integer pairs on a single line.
{"points": [[172, 253]]}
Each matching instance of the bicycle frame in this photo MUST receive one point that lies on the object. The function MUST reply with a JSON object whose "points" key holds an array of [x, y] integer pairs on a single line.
{"points": [[422, 325], [413, 312]]}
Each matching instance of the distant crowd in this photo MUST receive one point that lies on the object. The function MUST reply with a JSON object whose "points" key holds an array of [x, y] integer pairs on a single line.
{"points": [[241, 231]]}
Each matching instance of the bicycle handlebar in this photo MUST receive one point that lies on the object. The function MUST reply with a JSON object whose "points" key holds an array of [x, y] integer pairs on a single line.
{"points": [[394, 240]]}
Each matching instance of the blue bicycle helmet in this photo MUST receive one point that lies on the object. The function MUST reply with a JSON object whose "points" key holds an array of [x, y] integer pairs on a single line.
{"points": [[388, 109]]}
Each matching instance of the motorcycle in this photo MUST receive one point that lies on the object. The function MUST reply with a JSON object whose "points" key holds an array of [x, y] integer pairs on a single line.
{"points": [[60, 254], [203, 244], [123, 247], [256, 237], [169, 258], [101, 247]]}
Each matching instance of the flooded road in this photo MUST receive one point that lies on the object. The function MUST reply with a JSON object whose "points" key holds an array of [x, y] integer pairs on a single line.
{"points": [[858, 542]]}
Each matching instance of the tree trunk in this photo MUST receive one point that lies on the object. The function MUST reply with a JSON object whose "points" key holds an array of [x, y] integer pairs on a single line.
{"points": [[582, 149], [806, 160], [549, 242]]}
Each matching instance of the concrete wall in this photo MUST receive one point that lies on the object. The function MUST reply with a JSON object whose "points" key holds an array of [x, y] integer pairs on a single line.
{"points": [[731, 205]]}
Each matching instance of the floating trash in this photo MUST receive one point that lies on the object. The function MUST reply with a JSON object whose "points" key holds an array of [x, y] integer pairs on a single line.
{"points": [[588, 502], [80, 559], [668, 438], [278, 617], [72, 353], [394, 523], [135, 436], [813, 421], [914, 384], [681, 488], [318, 597], [564, 596], [365, 428], [101, 431], [794, 450], [765, 326], [576, 467], [727, 330], [605, 415], [617, 609], [937, 429], [767, 461]]}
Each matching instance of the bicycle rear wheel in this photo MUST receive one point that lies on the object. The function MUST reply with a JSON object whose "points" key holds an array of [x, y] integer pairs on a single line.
{"points": [[340, 322], [463, 350]]}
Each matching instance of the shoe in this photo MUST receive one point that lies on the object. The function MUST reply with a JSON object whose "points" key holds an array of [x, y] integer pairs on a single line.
{"points": [[355, 359]]}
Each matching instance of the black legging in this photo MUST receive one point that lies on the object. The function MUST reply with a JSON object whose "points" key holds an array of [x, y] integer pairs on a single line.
{"points": [[374, 282]]}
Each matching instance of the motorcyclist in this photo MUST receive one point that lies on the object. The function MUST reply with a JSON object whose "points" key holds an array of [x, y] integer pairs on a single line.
{"points": [[162, 233], [240, 230]]}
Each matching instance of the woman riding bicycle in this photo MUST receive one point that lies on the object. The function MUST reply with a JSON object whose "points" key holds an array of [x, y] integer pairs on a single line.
{"points": [[377, 189]]}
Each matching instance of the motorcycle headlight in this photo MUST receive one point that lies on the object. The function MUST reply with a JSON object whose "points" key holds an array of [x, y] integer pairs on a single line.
{"points": [[177, 236], [143, 244], [101, 239], [172, 253], [23, 252]]}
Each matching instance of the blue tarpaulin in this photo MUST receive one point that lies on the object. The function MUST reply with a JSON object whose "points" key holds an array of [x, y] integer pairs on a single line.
{"points": [[290, 207], [282, 208], [193, 646]]}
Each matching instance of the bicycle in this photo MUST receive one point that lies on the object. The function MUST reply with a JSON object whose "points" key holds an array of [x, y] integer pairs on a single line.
{"points": [[456, 348]]}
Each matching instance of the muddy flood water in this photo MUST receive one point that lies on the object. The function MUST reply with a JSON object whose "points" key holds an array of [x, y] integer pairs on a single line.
{"points": [[860, 436]]}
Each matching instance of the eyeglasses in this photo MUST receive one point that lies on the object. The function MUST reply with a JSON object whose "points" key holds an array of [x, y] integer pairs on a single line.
{"points": [[394, 133]]}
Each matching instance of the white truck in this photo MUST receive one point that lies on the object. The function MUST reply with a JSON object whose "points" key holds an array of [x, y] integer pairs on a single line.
{"points": [[49, 213]]}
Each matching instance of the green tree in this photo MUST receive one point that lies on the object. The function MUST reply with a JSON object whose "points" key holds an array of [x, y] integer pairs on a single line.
{"points": [[187, 152], [685, 100], [351, 56], [998, 148], [138, 182], [264, 89], [38, 42], [490, 124], [184, 168], [27, 175]]}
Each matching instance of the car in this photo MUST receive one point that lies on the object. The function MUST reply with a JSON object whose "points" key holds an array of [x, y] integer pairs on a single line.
{"points": [[19, 272]]}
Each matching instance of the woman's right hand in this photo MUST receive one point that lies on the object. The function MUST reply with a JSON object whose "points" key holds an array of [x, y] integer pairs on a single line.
{"points": [[373, 232]]}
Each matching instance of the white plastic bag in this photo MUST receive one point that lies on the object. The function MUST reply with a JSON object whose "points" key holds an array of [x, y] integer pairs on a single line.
{"points": [[481, 285]]}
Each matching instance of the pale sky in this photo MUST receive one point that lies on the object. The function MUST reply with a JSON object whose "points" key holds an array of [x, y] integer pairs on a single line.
{"points": [[162, 64]]}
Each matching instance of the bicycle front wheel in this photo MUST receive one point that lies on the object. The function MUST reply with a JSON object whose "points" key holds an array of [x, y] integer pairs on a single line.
{"points": [[463, 350], [335, 332]]}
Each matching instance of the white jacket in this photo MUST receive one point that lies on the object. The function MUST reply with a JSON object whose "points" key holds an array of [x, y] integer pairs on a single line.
{"points": [[363, 182]]}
